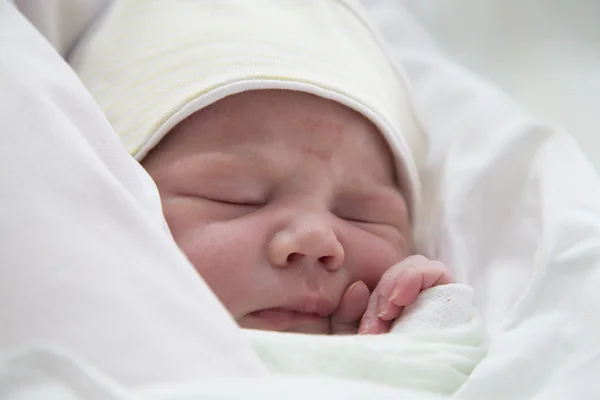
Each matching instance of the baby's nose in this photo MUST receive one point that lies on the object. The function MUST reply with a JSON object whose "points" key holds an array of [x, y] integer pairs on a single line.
{"points": [[310, 241]]}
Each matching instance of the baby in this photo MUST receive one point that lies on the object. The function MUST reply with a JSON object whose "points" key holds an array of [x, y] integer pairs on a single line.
{"points": [[287, 206], [281, 140]]}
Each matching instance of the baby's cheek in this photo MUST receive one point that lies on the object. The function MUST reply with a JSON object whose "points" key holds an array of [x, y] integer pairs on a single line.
{"points": [[369, 256], [180, 216], [223, 255]]}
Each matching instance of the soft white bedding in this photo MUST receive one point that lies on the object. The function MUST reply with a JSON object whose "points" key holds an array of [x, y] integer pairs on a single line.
{"points": [[84, 259], [545, 53], [431, 351], [46, 372], [513, 207], [433, 348]]}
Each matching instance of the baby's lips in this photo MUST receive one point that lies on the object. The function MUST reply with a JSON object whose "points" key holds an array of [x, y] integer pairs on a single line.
{"points": [[312, 303]]}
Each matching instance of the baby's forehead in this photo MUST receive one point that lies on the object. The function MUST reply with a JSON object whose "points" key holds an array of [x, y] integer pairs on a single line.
{"points": [[284, 119], [271, 132]]}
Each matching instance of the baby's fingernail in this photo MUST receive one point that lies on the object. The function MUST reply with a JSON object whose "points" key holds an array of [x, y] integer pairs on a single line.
{"points": [[352, 287], [395, 294], [382, 306], [366, 324], [383, 316]]}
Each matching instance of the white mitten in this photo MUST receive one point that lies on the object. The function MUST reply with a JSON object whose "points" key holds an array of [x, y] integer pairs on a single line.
{"points": [[439, 307]]}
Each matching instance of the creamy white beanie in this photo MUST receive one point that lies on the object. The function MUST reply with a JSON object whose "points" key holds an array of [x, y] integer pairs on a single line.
{"points": [[152, 63]]}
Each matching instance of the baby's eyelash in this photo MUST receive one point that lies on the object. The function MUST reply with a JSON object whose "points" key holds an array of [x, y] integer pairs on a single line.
{"points": [[358, 220], [365, 221], [242, 203], [232, 202]]}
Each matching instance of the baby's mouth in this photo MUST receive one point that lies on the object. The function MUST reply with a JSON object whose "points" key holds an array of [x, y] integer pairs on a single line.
{"points": [[286, 320], [306, 313]]}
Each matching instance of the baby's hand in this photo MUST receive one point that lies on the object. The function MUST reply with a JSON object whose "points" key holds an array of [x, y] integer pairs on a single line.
{"points": [[346, 318], [399, 287]]}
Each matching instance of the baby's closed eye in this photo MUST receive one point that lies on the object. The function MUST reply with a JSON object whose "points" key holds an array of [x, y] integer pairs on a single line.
{"points": [[380, 207], [228, 200]]}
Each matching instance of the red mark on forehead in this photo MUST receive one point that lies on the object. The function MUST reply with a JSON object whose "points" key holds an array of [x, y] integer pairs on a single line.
{"points": [[321, 154], [325, 126], [314, 125], [327, 135]]}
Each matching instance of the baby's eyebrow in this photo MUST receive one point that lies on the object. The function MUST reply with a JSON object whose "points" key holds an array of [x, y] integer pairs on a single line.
{"points": [[381, 193], [376, 195], [222, 159], [219, 164]]}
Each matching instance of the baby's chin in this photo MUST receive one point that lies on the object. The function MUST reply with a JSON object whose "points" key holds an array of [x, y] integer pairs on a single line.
{"points": [[283, 320]]}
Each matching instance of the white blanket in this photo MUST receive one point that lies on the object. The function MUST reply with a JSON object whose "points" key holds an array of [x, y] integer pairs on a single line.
{"points": [[433, 348], [516, 200], [44, 372]]}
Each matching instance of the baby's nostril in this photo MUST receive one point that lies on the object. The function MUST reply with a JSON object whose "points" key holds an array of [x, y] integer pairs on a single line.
{"points": [[293, 258], [326, 260]]}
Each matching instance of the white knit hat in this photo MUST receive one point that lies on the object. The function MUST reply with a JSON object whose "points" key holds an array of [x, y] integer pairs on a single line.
{"points": [[152, 63]]}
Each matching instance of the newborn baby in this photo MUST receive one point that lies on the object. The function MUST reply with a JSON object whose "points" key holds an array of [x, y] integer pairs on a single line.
{"points": [[282, 142], [287, 205]]}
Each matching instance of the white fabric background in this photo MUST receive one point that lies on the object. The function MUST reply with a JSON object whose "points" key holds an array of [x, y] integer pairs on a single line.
{"points": [[509, 199], [85, 262], [515, 209], [545, 53]]}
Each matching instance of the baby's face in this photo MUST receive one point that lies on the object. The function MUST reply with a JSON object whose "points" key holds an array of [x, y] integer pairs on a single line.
{"points": [[281, 200]]}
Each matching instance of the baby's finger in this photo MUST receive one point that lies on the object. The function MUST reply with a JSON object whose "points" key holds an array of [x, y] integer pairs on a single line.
{"points": [[413, 281], [436, 273], [345, 319], [391, 281], [408, 287], [387, 310], [370, 324], [390, 312]]}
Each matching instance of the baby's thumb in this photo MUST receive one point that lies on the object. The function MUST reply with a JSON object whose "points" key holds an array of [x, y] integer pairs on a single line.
{"points": [[346, 318]]}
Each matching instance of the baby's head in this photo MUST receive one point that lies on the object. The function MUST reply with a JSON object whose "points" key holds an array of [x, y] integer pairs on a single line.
{"points": [[281, 199], [285, 170]]}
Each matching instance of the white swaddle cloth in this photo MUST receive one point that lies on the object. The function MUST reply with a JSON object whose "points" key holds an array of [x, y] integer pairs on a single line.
{"points": [[433, 347], [431, 353]]}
